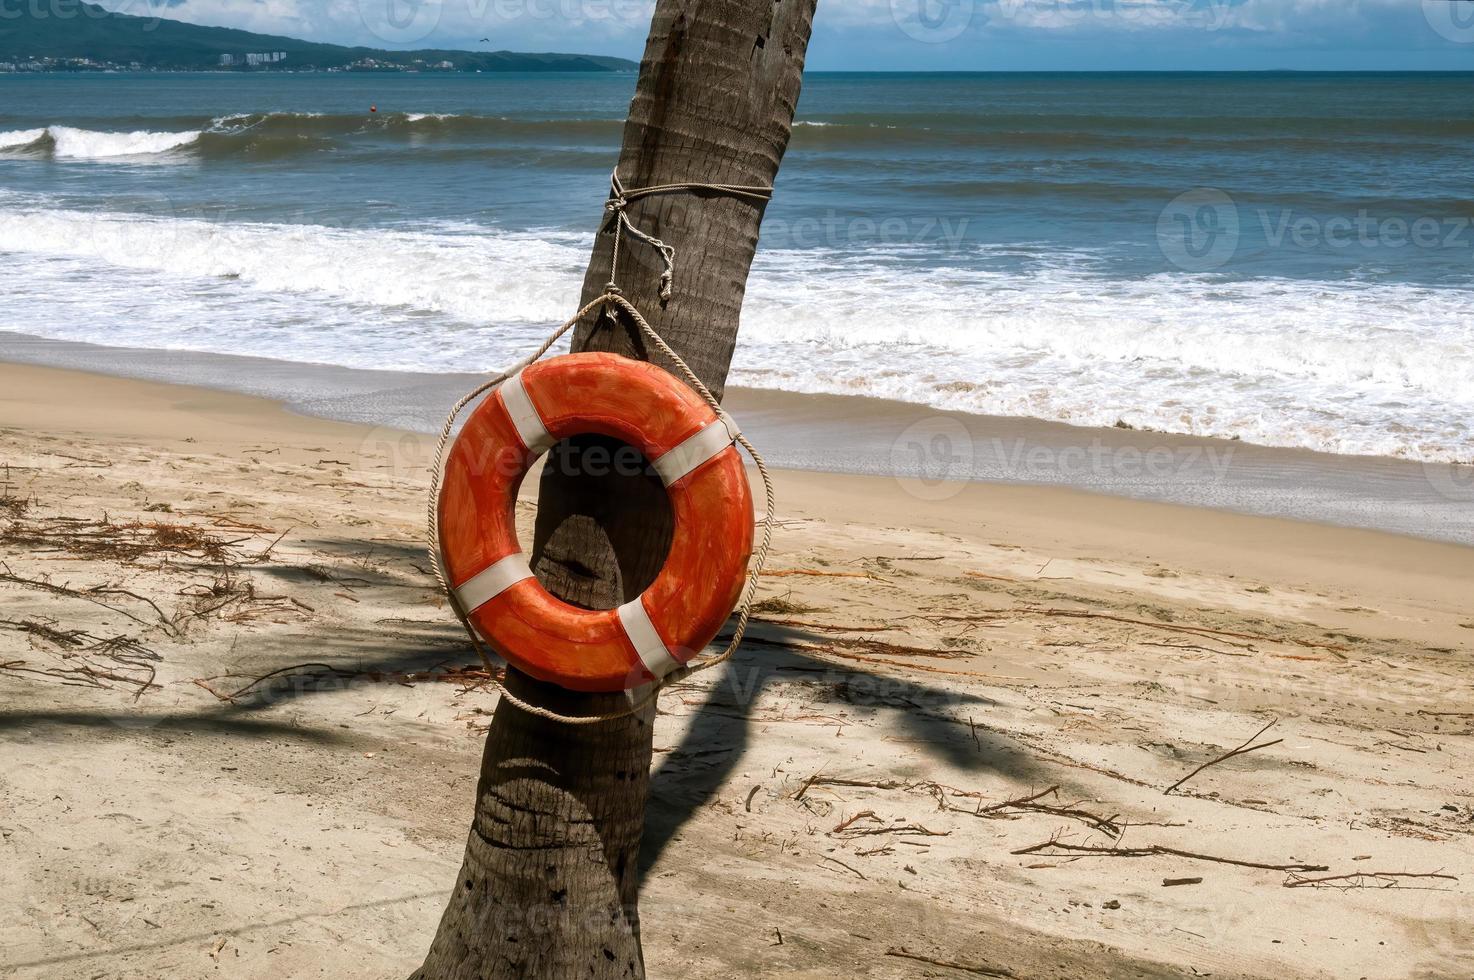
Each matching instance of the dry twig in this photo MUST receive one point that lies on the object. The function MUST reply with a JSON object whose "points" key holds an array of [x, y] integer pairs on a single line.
{"points": [[980, 969], [1243, 749], [1031, 804], [843, 865], [1158, 850], [1362, 879]]}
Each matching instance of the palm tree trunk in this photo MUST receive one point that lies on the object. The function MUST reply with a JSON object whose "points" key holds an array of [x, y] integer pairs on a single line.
{"points": [[549, 885]]}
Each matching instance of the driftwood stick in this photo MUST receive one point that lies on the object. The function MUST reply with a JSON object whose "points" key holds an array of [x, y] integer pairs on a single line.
{"points": [[979, 969], [1183, 628], [843, 865], [62, 590], [1021, 801], [1243, 749], [1031, 804], [817, 573], [1160, 850], [859, 816], [1384, 879], [868, 784], [909, 829], [265, 677], [808, 783]]}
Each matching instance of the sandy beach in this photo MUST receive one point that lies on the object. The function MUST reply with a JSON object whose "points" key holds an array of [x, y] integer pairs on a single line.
{"points": [[241, 731]]}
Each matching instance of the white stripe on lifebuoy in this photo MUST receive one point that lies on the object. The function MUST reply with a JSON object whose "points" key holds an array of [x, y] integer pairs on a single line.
{"points": [[530, 428], [492, 581], [705, 444], [646, 641]]}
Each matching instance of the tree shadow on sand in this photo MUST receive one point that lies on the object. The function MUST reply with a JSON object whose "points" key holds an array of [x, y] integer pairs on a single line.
{"points": [[712, 749], [688, 777]]}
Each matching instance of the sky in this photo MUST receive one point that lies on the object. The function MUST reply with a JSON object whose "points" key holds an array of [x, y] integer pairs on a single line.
{"points": [[977, 35]]}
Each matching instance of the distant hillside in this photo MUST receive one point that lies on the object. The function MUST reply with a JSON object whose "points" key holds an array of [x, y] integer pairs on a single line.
{"points": [[68, 31]]}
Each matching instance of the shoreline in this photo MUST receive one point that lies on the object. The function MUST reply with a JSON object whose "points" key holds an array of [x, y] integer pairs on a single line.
{"points": [[934, 454]]}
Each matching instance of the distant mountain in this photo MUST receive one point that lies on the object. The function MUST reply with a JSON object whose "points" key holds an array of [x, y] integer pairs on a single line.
{"points": [[67, 34]]}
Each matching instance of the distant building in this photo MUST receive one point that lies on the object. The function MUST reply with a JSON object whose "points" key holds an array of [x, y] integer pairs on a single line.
{"points": [[253, 59]]}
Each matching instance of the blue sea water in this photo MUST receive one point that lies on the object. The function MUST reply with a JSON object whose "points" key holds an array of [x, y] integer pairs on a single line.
{"points": [[1283, 258]]}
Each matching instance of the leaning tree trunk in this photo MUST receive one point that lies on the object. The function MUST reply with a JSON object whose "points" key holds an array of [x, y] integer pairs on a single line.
{"points": [[549, 884]]}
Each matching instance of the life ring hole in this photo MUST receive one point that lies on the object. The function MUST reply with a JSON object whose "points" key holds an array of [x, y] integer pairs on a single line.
{"points": [[600, 523]]}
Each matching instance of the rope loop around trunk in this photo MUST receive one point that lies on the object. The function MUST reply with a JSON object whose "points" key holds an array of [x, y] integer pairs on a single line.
{"points": [[618, 206]]}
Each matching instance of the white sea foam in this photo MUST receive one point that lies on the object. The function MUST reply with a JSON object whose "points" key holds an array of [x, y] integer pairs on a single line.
{"points": [[20, 137], [87, 144], [1380, 369], [471, 278]]}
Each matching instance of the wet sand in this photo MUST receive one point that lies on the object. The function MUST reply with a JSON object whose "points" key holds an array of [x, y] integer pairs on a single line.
{"points": [[869, 436]]}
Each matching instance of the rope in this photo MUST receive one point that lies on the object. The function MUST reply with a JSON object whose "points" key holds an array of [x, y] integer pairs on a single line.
{"points": [[612, 298], [618, 204]]}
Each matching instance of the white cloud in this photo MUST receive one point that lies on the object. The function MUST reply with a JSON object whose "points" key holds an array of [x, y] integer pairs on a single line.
{"points": [[570, 24], [867, 32], [1333, 18]]}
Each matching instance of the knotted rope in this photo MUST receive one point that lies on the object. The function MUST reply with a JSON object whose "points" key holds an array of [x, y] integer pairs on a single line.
{"points": [[611, 299], [618, 206]]}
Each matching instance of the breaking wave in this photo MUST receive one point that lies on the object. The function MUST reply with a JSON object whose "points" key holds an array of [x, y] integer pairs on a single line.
{"points": [[281, 134]]}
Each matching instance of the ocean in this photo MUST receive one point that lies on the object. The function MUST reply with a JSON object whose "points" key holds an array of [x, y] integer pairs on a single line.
{"points": [[1285, 259]]}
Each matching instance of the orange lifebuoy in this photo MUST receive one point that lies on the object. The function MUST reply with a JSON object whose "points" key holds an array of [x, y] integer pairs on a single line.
{"points": [[691, 448]]}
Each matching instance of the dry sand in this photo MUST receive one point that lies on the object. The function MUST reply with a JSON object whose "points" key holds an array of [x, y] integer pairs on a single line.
{"points": [[816, 809]]}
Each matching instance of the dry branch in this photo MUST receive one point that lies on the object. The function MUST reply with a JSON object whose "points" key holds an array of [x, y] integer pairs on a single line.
{"points": [[979, 969], [1243, 749], [904, 829], [863, 814], [1031, 804], [1181, 628], [86, 659], [43, 585], [817, 573], [1157, 850], [1362, 879], [843, 865], [472, 676]]}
